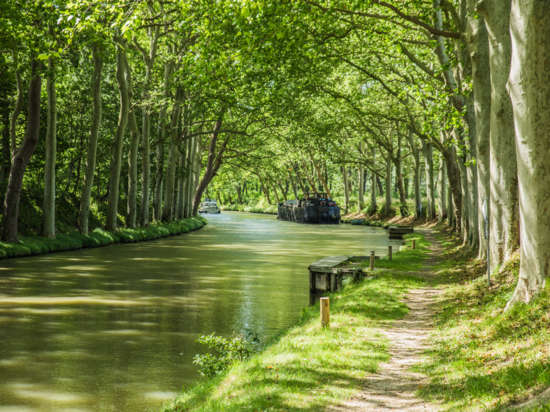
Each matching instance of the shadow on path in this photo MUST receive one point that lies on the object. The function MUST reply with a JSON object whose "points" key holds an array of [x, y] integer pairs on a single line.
{"points": [[393, 387]]}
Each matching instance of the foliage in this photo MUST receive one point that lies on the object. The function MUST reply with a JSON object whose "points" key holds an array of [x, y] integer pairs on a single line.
{"points": [[222, 353], [36, 245]]}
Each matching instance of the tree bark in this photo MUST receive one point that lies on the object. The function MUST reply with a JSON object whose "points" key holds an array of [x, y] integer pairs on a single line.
{"points": [[453, 175], [133, 155], [416, 178], [293, 185], [529, 86], [442, 191], [479, 46], [92, 142], [116, 157], [399, 180], [146, 128], [429, 170], [346, 189], [180, 186], [19, 103], [213, 163], [404, 209], [191, 159], [22, 156], [6, 151], [160, 149], [373, 207], [51, 148], [361, 183], [361, 189], [504, 232], [321, 178], [169, 187], [387, 204]]}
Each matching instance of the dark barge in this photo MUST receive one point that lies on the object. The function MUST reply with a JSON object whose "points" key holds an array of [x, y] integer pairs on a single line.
{"points": [[315, 208]]}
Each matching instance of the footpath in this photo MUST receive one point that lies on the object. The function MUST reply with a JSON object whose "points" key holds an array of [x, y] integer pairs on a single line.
{"points": [[393, 387]]}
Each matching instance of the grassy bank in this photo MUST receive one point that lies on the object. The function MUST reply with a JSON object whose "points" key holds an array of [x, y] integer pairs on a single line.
{"points": [[484, 358], [36, 245], [309, 368]]}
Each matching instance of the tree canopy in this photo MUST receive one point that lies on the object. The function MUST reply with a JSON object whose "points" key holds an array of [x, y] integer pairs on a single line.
{"points": [[149, 105]]}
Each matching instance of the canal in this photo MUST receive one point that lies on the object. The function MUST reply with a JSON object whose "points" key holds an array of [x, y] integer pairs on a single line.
{"points": [[115, 328]]}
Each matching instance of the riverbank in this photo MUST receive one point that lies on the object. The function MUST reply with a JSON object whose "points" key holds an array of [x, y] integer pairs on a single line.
{"points": [[419, 333], [36, 245], [310, 368]]}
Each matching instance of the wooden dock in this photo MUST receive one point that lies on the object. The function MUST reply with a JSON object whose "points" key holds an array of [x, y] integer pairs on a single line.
{"points": [[327, 274], [397, 232]]}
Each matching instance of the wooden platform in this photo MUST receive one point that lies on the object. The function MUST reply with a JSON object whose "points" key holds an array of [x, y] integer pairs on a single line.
{"points": [[327, 274], [397, 232]]}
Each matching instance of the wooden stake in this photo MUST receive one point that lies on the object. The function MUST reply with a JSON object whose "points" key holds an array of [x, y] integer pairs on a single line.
{"points": [[372, 260], [390, 252], [325, 312], [414, 244]]}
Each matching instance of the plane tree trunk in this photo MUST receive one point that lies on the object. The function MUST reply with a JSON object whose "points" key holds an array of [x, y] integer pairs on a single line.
{"points": [[529, 86], [22, 156], [503, 207], [116, 156], [51, 149]]}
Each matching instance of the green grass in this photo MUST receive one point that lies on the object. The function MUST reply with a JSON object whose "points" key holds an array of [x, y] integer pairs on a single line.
{"points": [[35, 245], [408, 259], [309, 368], [484, 358]]}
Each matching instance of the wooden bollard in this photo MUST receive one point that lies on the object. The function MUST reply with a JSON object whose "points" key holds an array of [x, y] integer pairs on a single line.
{"points": [[372, 260], [325, 312], [390, 252], [414, 243]]}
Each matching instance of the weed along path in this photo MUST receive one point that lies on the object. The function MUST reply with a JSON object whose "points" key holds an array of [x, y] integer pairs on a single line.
{"points": [[394, 385]]}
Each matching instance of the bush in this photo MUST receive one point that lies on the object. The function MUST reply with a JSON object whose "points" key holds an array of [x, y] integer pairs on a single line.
{"points": [[223, 352]]}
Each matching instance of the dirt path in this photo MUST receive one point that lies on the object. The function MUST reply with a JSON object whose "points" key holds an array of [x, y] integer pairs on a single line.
{"points": [[393, 387]]}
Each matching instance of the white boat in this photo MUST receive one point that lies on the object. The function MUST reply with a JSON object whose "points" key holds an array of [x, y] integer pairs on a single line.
{"points": [[209, 206]]}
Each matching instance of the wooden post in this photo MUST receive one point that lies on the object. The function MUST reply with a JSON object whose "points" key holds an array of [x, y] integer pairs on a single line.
{"points": [[325, 312], [372, 260], [414, 244], [390, 252]]}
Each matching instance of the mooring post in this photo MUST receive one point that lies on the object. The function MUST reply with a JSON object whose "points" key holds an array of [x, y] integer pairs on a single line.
{"points": [[325, 312], [372, 260], [414, 244], [389, 252]]}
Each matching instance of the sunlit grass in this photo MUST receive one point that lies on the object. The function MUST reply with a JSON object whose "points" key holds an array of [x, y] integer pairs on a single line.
{"points": [[308, 367], [484, 358]]}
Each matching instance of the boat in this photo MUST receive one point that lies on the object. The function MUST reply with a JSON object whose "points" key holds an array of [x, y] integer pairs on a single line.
{"points": [[209, 206], [312, 208]]}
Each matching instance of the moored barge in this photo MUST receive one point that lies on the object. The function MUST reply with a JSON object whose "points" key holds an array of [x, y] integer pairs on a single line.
{"points": [[314, 208]]}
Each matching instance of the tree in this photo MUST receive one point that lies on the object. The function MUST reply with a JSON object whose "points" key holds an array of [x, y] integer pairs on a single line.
{"points": [[530, 92]]}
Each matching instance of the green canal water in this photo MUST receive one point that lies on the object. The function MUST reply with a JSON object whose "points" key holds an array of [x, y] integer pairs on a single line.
{"points": [[115, 328]]}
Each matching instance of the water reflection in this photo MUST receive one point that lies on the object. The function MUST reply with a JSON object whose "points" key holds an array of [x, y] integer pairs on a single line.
{"points": [[114, 329]]}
